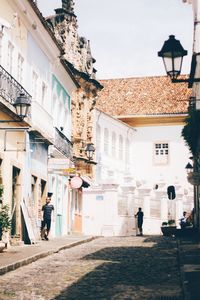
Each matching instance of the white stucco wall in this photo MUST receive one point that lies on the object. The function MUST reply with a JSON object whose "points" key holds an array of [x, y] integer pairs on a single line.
{"points": [[143, 154], [112, 166]]}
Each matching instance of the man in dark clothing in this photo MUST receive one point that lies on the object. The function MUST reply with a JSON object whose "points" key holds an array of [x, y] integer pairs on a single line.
{"points": [[47, 211], [140, 216]]}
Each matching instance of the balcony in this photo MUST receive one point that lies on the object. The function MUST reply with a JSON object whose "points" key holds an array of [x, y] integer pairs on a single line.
{"points": [[10, 88], [42, 121], [63, 144]]}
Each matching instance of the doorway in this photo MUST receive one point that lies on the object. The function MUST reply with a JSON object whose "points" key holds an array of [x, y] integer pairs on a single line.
{"points": [[15, 207]]}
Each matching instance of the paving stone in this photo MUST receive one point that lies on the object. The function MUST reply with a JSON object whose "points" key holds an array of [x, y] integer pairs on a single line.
{"points": [[105, 268]]}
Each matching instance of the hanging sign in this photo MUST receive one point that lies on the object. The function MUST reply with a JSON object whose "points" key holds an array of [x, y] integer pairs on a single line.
{"points": [[76, 182]]}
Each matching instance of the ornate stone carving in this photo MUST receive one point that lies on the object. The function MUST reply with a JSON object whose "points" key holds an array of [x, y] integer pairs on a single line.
{"points": [[68, 5]]}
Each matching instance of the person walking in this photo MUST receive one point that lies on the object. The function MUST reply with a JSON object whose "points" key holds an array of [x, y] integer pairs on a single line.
{"points": [[139, 217], [47, 209]]}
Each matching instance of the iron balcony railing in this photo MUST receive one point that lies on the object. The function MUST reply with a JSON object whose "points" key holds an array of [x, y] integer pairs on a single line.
{"points": [[63, 144], [10, 88]]}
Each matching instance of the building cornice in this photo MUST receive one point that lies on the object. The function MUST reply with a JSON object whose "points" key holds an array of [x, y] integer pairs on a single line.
{"points": [[153, 120]]}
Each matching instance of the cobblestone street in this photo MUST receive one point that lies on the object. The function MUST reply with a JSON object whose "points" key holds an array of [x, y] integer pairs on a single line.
{"points": [[106, 268]]}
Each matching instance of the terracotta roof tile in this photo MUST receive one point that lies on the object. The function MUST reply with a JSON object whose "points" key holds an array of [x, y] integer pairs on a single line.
{"points": [[143, 96]]}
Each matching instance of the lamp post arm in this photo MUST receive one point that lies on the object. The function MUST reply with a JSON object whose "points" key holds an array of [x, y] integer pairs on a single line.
{"points": [[185, 80], [10, 121]]}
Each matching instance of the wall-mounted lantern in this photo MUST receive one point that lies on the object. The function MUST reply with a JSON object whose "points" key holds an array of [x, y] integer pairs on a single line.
{"points": [[189, 168], [21, 105], [89, 151]]}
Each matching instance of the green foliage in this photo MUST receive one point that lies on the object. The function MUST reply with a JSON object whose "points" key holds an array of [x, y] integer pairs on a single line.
{"points": [[5, 221], [191, 131], [171, 222], [164, 223], [168, 223], [1, 190]]}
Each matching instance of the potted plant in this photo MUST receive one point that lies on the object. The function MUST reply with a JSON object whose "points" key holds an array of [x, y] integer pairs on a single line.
{"points": [[5, 224], [168, 228]]}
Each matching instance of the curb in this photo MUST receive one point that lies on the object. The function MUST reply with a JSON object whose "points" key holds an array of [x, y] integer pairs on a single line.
{"points": [[184, 282], [29, 260]]}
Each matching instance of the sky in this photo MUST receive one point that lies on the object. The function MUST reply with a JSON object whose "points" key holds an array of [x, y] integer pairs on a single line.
{"points": [[125, 35]]}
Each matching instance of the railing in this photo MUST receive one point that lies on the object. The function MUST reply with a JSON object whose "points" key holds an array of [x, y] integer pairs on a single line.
{"points": [[10, 88], [63, 144]]}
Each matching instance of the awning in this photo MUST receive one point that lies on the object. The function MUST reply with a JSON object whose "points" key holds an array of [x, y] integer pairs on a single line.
{"points": [[85, 184], [79, 182], [86, 181]]}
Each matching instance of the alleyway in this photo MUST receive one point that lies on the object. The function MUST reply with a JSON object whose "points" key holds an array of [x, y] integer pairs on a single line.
{"points": [[106, 268]]}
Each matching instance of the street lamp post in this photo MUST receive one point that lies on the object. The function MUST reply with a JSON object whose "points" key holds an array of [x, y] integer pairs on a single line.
{"points": [[172, 53]]}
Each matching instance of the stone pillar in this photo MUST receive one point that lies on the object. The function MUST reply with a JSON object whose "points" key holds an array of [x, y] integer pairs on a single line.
{"points": [[162, 195], [144, 193], [127, 193], [179, 211], [111, 205]]}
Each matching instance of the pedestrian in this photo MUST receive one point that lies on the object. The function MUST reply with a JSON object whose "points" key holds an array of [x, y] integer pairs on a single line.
{"points": [[183, 220], [47, 209], [140, 216]]}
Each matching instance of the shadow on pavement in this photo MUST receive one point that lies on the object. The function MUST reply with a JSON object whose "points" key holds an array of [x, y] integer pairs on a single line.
{"points": [[130, 273]]}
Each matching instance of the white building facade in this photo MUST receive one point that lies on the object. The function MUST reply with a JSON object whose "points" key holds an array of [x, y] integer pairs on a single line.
{"points": [[135, 166], [139, 153], [35, 152]]}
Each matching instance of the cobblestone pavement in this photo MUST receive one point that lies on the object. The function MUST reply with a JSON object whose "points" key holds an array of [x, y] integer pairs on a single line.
{"points": [[106, 268]]}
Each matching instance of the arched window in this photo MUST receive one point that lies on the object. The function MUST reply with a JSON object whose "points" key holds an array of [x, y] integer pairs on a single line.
{"points": [[98, 139], [127, 151], [113, 144], [121, 149], [106, 140]]}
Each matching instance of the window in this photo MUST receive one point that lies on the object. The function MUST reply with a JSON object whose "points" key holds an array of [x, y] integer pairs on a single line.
{"points": [[106, 142], [44, 93], [98, 141], [34, 85], [20, 68], [121, 149], [127, 151], [161, 153], [10, 57], [113, 144], [33, 190]]}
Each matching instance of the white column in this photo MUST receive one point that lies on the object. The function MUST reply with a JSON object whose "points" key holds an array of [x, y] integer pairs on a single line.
{"points": [[144, 193], [162, 195]]}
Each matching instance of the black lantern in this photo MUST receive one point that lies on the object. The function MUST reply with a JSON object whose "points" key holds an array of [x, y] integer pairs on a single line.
{"points": [[189, 168], [89, 151], [172, 54], [21, 105]]}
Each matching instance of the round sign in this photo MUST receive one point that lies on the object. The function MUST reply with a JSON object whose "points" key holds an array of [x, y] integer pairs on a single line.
{"points": [[76, 182]]}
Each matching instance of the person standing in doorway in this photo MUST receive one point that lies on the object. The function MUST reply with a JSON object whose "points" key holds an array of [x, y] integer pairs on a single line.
{"points": [[139, 217], [47, 209]]}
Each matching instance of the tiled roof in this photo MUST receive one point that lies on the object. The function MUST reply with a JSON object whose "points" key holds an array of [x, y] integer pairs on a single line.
{"points": [[143, 96]]}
